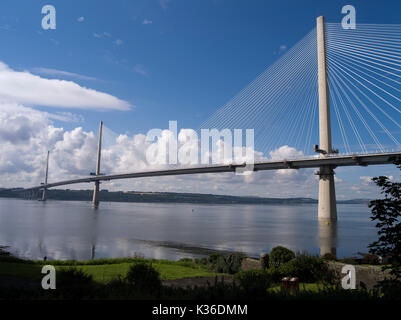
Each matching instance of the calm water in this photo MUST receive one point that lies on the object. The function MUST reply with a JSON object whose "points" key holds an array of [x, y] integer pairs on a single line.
{"points": [[73, 230]]}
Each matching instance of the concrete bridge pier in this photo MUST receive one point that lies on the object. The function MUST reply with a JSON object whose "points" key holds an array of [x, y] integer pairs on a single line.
{"points": [[327, 207], [327, 194], [95, 200], [47, 173]]}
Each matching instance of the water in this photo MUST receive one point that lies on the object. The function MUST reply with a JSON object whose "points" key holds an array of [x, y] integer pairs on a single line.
{"points": [[73, 230]]}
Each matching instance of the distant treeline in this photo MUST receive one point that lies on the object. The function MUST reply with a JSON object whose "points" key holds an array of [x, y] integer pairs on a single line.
{"points": [[134, 196]]}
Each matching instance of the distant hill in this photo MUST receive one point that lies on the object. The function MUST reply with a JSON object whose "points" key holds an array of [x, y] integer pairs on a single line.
{"points": [[172, 197]]}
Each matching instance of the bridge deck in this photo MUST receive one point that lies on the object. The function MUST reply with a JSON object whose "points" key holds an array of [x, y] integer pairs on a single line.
{"points": [[335, 161]]}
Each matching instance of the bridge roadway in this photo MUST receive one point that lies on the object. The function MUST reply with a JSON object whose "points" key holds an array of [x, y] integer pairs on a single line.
{"points": [[312, 162]]}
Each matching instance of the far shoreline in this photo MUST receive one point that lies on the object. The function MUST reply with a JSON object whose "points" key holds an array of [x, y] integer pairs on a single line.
{"points": [[164, 197]]}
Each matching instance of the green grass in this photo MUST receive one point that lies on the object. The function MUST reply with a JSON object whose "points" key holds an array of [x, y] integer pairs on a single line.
{"points": [[103, 270], [311, 287]]}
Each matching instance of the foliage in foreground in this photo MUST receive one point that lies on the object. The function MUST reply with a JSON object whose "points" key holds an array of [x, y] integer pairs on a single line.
{"points": [[143, 277], [280, 255], [143, 282], [121, 288], [387, 213], [226, 263]]}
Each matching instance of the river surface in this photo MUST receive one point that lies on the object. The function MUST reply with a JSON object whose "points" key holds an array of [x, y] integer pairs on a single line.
{"points": [[73, 230]]}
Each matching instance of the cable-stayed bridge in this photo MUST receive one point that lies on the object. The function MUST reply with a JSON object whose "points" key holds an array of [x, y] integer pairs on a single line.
{"points": [[336, 87]]}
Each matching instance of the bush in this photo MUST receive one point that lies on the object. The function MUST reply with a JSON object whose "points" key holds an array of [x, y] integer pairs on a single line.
{"points": [[212, 259], [144, 278], [73, 284], [369, 258], [254, 282], [350, 260], [329, 257], [276, 274], [308, 269], [264, 260], [69, 277], [229, 263], [280, 255], [202, 261], [390, 288]]}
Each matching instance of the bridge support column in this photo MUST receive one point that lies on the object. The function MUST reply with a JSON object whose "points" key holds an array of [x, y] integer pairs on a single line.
{"points": [[327, 207], [47, 173], [95, 200], [327, 196]]}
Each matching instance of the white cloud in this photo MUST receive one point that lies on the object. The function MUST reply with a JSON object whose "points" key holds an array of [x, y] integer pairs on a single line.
{"points": [[26, 134], [60, 73], [31, 90], [66, 117], [285, 152], [146, 21], [118, 42], [81, 19]]}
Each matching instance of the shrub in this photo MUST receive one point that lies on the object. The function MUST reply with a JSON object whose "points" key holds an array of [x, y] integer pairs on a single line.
{"points": [[144, 278], [68, 277], [369, 258], [280, 255], [329, 257], [276, 274], [308, 269], [212, 259], [202, 261], [254, 282], [229, 263], [350, 260], [264, 260], [390, 288]]}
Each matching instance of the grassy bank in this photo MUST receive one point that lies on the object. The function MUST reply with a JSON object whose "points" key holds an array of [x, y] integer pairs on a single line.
{"points": [[102, 270]]}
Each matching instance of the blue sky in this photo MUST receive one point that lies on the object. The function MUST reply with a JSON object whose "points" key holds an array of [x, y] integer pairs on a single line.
{"points": [[191, 59], [169, 59]]}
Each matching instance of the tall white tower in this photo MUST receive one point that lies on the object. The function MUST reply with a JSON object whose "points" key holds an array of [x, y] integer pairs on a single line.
{"points": [[327, 193], [95, 200]]}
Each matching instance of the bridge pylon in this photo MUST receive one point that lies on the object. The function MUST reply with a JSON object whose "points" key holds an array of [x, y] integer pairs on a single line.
{"points": [[46, 175], [95, 200], [327, 209]]}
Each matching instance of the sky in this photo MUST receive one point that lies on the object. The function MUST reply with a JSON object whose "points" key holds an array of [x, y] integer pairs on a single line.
{"points": [[138, 64]]}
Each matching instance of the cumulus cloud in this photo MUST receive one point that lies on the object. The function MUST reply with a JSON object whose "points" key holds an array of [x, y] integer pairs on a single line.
{"points": [[31, 90], [285, 152], [81, 19], [146, 21], [26, 134]]}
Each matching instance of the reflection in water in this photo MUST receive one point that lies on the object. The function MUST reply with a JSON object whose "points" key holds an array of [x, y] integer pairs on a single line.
{"points": [[94, 231], [328, 237], [73, 230]]}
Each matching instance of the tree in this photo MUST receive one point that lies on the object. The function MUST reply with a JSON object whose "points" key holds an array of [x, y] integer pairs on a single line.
{"points": [[387, 213]]}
